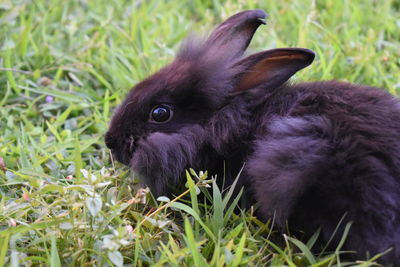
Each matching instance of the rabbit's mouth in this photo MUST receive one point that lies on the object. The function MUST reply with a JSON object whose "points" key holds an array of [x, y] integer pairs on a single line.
{"points": [[121, 151], [127, 150], [123, 155]]}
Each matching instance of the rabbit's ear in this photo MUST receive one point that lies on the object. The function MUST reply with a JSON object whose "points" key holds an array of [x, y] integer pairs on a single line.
{"points": [[232, 37], [271, 68]]}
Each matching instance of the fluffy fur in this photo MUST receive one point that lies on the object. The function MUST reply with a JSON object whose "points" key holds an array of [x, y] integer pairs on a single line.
{"points": [[312, 152]]}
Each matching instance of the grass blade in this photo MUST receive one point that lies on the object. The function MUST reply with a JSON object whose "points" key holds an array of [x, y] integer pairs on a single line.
{"points": [[54, 257], [239, 251], [4, 248], [197, 257]]}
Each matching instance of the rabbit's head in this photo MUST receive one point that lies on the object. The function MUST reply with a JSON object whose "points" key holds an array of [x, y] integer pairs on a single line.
{"points": [[198, 107]]}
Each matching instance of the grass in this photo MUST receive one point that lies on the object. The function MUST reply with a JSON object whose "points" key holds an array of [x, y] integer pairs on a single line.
{"points": [[65, 66]]}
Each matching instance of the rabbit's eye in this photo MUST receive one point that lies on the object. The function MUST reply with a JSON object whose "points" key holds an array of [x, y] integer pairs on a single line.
{"points": [[161, 114]]}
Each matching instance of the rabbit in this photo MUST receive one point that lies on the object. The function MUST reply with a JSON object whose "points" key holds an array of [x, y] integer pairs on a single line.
{"points": [[309, 154]]}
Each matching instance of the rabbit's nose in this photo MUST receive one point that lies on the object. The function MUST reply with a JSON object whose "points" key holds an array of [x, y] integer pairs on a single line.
{"points": [[110, 141]]}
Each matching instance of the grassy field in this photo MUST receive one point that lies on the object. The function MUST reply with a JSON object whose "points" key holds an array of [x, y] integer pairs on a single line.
{"points": [[64, 66]]}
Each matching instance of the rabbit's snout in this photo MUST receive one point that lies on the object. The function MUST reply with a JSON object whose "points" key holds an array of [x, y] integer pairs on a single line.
{"points": [[122, 147], [124, 142], [110, 141]]}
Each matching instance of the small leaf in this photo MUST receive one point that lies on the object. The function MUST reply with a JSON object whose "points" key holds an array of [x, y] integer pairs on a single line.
{"points": [[197, 189], [100, 185], [66, 226], [163, 199], [228, 256], [93, 178], [109, 243], [116, 257], [112, 195], [52, 188], [192, 172], [94, 205], [104, 171], [10, 175], [85, 173]]}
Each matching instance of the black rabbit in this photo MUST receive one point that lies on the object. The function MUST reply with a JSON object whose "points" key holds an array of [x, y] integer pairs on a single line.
{"points": [[312, 152]]}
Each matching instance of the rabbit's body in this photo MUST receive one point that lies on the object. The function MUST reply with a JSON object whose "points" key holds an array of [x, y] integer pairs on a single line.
{"points": [[328, 149], [313, 153]]}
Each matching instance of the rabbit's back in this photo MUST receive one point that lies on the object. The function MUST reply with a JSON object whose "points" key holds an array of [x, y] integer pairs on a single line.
{"points": [[328, 149], [358, 120]]}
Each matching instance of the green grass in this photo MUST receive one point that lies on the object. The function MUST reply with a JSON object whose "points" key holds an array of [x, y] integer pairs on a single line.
{"points": [[86, 55]]}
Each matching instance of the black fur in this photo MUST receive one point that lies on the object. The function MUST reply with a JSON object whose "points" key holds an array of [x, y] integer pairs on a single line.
{"points": [[312, 151]]}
